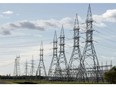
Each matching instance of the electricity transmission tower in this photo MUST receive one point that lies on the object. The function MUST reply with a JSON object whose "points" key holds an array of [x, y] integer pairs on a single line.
{"points": [[17, 66], [62, 58], [26, 68], [32, 67], [90, 59], [54, 63], [41, 67], [75, 60]]}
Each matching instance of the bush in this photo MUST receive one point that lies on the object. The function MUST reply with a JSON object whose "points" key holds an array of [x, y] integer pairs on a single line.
{"points": [[110, 76]]}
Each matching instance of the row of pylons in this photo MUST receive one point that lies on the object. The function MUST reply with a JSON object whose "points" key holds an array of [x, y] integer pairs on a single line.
{"points": [[82, 67]]}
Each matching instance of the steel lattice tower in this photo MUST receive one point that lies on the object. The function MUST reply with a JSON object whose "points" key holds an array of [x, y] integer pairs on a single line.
{"points": [[75, 60], [32, 67], [62, 58], [41, 67], [17, 66], [54, 63], [26, 68], [90, 59]]}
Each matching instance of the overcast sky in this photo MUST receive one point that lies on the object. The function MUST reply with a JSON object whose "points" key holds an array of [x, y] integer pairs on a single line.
{"points": [[24, 26]]}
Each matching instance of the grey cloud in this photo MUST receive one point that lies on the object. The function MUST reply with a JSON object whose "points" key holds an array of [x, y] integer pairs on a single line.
{"points": [[36, 25], [51, 24], [7, 28], [13, 25], [6, 32], [30, 25]]}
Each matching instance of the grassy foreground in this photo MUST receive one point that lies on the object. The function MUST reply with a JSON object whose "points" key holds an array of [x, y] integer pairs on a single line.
{"points": [[42, 82]]}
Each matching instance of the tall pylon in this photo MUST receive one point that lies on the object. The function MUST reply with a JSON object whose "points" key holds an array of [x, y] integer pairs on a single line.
{"points": [[41, 67], [62, 57], [75, 60], [52, 73], [90, 59], [32, 67], [17, 66], [26, 68]]}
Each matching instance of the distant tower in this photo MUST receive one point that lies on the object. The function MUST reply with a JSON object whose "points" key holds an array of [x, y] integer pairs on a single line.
{"points": [[17, 66], [41, 67], [32, 67], [62, 58], [26, 68], [90, 59], [75, 60], [54, 63]]}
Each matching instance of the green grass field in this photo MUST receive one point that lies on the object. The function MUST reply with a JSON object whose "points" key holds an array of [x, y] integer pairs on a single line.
{"points": [[43, 82]]}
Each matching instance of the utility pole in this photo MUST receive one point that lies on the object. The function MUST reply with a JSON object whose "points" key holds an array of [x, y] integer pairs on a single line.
{"points": [[89, 54], [41, 67]]}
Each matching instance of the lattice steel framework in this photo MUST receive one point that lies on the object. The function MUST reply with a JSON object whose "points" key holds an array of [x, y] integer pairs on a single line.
{"points": [[17, 66], [75, 67], [53, 70], [41, 67], [32, 67], [62, 58], [90, 59], [26, 68]]}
